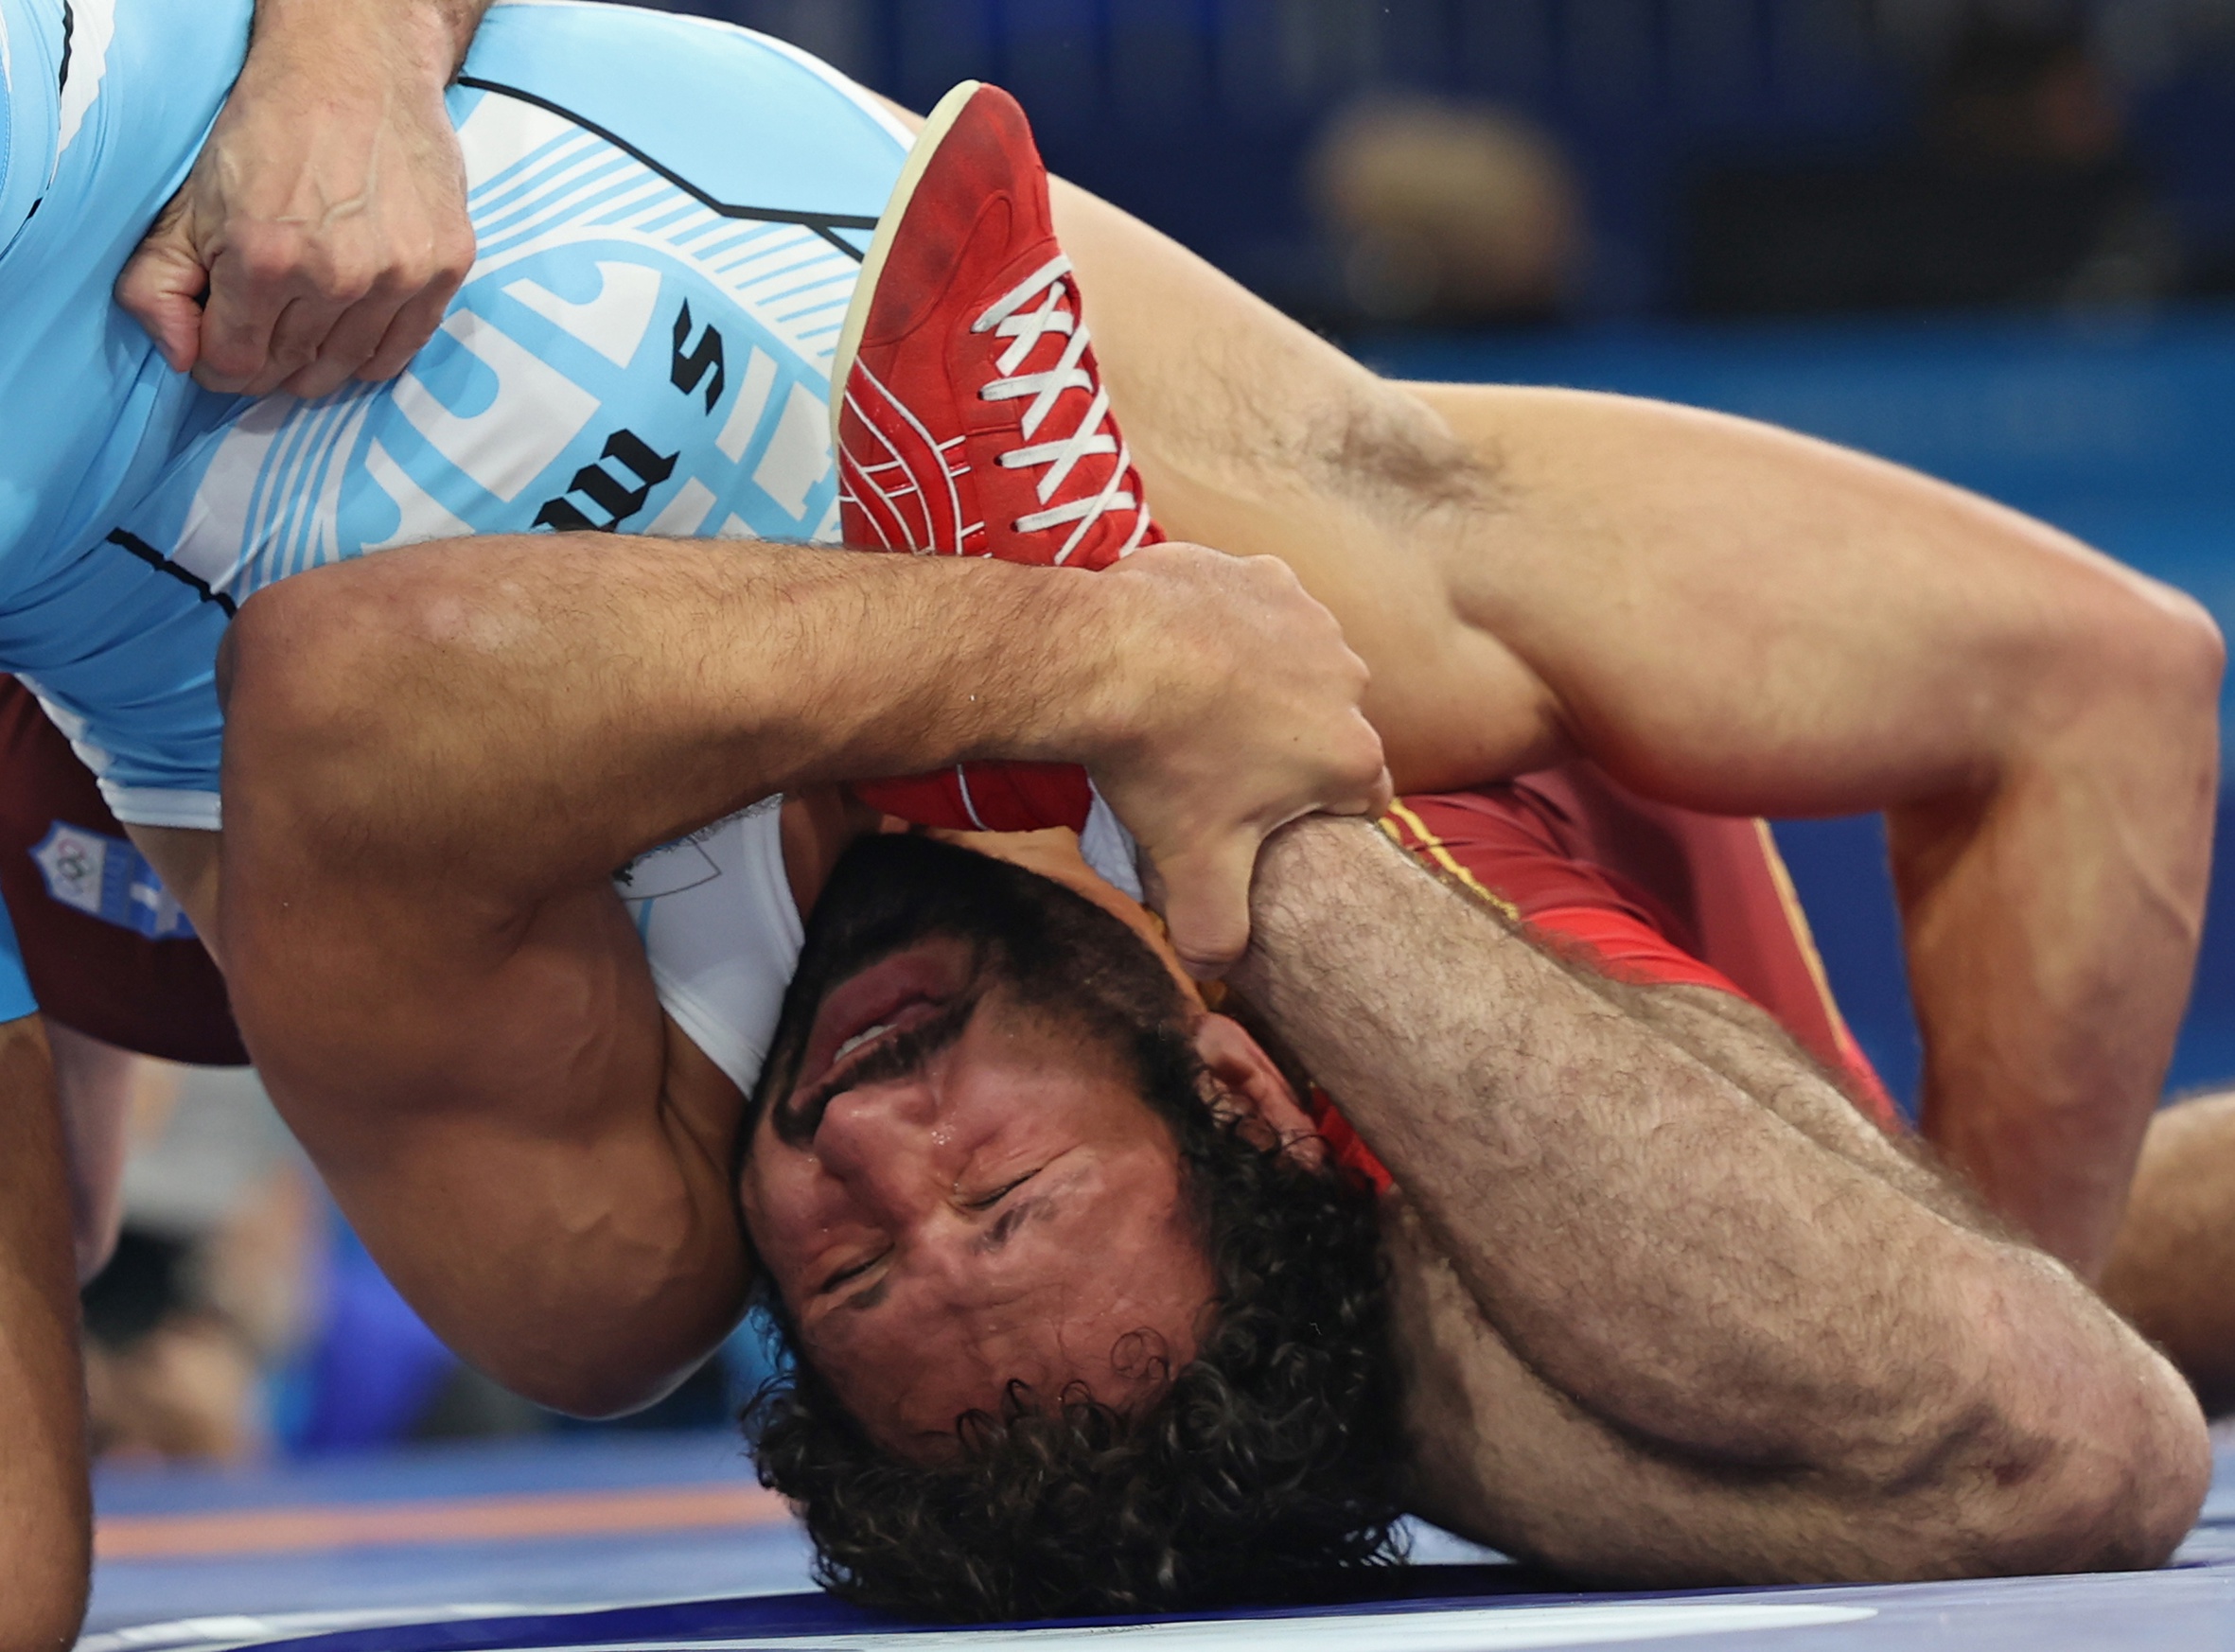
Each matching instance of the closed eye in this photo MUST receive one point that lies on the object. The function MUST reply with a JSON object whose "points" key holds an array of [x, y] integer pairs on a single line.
{"points": [[845, 1275], [995, 1197]]}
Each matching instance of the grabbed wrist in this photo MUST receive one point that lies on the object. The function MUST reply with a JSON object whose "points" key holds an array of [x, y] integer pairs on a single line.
{"points": [[1105, 649], [419, 43]]}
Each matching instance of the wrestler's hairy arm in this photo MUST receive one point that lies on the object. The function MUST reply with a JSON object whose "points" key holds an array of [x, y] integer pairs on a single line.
{"points": [[1671, 1310], [322, 230], [1740, 620], [435, 758], [45, 1509]]}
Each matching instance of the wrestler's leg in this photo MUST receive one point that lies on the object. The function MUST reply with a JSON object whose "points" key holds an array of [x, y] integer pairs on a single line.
{"points": [[46, 1524], [1256, 436], [2173, 1271], [95, 1082], [1742, 621], [1518, 565]]}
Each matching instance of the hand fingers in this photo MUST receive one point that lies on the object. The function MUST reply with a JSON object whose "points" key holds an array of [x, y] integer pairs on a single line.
{"points": [[298, 339], [1205, 902], [162, 288], [345, 351], [409, 331], [1372, 802], [236, 326]]}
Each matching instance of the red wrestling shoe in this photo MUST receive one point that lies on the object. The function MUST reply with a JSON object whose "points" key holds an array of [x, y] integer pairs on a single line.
{"points": [[971, 418]]}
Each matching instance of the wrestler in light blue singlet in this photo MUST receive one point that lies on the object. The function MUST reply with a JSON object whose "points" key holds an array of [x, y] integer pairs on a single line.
{"points": [[103, 104], [670, 216]]}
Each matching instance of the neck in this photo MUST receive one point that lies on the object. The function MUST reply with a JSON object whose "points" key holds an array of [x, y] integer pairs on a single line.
{"points": [[819, 826]]}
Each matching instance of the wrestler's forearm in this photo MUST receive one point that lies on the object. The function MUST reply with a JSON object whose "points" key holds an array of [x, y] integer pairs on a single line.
{"points": [[2052, 926], [582, 699], [434, 33], [2168, 1272], [46, 1516], [518, 715], [1657, 1243]]}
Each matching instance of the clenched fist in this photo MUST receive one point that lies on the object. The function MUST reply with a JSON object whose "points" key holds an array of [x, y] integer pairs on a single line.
{"points": [[1240, 712], [322, 231]]}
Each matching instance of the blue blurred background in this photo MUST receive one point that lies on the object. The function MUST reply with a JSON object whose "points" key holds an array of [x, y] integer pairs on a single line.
{"points": [[1993, 240]]}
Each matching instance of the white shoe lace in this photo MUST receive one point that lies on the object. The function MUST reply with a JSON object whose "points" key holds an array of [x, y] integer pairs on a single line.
{"points": [[1009, 319]]}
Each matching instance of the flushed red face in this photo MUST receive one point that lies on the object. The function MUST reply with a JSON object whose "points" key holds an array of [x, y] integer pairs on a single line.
{"points": [[958, 1192], [954, 1176]]}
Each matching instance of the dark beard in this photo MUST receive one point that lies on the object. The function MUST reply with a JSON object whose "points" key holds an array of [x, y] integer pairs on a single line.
{"points": [[1049, 948]]}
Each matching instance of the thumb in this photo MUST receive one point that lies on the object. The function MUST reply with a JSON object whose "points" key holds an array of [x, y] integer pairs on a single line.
{"points": [[163, 288], [1205, 902]]}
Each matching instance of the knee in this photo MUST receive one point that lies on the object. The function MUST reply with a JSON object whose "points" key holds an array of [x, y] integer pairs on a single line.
{"points": [[2160, 648]]}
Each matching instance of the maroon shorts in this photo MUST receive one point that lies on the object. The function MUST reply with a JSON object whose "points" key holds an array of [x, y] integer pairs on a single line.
{"points": [[106, 956]]}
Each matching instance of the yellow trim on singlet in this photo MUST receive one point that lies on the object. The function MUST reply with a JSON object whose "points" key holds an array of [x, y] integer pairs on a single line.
{"points": [[1444, 857], [1796, 917]]}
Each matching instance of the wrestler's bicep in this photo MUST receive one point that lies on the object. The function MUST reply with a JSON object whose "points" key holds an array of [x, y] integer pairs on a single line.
{"points": [[494, 1105], [1743, 1042], [1502, 1456]]}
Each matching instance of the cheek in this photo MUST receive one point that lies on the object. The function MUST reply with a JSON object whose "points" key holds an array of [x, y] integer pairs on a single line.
{"points": [[789, 1210]]}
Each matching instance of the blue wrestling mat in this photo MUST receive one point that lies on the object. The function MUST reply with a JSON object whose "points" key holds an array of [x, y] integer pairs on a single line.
{"points": [[633, 1545]]}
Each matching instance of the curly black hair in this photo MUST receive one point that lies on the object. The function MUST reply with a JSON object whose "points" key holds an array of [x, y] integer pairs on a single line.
{"points": [[1265, 1470]]}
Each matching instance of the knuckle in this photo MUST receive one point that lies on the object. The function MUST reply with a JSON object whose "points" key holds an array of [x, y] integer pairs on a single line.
{"points": [[292, 349], [349, 285], [400, 283], [382, 365], [454, 259], [228, 357], [268, 254]]}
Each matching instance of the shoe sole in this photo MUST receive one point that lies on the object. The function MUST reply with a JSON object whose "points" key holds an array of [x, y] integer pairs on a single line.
{"points": [[936, 126]]}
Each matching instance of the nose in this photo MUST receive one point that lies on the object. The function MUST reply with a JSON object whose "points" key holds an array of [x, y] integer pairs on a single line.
{"points": [[882, 1143]]}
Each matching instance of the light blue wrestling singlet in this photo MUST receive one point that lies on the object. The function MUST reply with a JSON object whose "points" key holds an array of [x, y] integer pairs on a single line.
{"points": [[671, 216]]}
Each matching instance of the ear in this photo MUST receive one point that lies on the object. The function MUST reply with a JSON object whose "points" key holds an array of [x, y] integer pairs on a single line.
{"points": [[1253, 1083]]}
